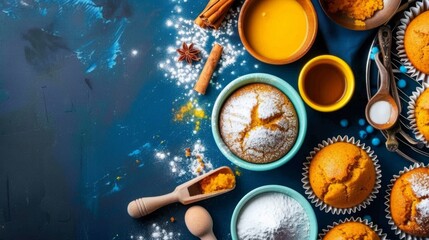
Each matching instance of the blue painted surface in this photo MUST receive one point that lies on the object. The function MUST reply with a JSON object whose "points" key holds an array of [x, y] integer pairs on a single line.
{"points": [[87, 118]]}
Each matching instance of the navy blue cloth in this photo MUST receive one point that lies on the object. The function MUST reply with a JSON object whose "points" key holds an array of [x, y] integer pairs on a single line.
{"points": [[340, 41]]}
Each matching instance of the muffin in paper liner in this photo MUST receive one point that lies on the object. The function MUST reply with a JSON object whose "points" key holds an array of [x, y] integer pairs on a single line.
{"points": [[401, 234], [411, 113], [319, 202], [413, 12], [374, 227]]}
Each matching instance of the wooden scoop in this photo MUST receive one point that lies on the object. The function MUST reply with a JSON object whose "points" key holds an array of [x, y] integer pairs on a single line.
{"points": [[186, 193]]}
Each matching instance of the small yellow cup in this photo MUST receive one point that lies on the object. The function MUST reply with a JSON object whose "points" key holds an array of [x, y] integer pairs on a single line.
{"points": [[326, 83]]}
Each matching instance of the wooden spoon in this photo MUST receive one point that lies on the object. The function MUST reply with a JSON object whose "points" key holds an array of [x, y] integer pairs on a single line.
{"points": [[381, 110], [186, 193], [200, 223]]}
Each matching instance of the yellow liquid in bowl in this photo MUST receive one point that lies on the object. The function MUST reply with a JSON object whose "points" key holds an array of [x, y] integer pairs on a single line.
{"points": [[276, 29]]}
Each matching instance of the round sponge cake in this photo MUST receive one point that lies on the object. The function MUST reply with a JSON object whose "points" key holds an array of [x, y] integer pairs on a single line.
{"points": [[416, 42], [258, 123], [421, 113], [342, 175], [409, 202], [351, 230]]}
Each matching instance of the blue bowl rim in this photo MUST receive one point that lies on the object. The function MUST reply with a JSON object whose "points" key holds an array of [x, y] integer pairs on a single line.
{"points": [[281, 189], [284, 87]]}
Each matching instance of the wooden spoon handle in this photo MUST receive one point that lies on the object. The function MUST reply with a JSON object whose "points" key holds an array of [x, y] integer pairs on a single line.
{"points": [[146, 205], [209, 236]]}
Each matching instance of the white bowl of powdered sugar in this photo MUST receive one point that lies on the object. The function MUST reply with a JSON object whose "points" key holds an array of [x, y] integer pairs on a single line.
{"points": [[273, 212]]}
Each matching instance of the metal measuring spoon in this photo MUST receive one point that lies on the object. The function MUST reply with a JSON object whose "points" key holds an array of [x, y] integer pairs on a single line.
{"points": [[382, 102], [385, 42]]}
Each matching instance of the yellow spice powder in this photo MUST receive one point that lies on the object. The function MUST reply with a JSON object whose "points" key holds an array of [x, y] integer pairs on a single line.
{"points": [[217, 182], [356, 9]]}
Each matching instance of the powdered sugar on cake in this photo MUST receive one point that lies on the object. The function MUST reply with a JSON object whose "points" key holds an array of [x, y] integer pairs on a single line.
{"points": [[420, 184], [258, 123]]}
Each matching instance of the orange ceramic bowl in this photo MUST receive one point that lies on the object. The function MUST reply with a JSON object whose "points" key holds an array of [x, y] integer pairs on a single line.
{"points": [[310, 32]]}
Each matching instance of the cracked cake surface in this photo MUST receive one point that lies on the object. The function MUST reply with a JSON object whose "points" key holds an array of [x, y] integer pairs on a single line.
{"points": [[258, 123], [342, 175], [409, 202]]}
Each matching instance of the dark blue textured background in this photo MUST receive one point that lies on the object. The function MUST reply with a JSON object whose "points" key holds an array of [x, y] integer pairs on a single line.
{"points": [[77, 110]]}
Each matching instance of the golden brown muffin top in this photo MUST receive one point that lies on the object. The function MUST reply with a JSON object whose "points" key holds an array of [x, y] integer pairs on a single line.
{"points": [[416, 42], [409, 202], [351, 230], [422, 113], [342, 175]]}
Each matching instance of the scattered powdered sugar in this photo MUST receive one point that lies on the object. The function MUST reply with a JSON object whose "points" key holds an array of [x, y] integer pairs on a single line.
{"points": [[158, 232], [422, 209], [420, 184], [182, 166], [273, 216], [181, 27], [185, 75]]}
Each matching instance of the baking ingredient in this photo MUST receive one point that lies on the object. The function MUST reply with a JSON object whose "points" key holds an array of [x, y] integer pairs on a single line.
{"points": [[422, 209], [199, 223], [185, 167], [356, 9], [276, 29], [207, 72], [191, 112], [183, 29], [273, 215], [187, 152], [324, 84], [380, 112], [218, 181], [214, 13], [188, 53]]}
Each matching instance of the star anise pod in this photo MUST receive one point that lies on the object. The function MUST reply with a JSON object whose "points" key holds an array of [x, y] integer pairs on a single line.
{"points": [[188, 53]]}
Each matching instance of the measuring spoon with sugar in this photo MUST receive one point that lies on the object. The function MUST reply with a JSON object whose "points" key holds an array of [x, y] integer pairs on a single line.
{"points": [[381, 110], [186, 193]]}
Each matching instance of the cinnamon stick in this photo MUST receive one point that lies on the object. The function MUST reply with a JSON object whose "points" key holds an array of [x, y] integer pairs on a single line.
{"points": [[214, 13], [217, 11], [199, 21], [208, 69]]}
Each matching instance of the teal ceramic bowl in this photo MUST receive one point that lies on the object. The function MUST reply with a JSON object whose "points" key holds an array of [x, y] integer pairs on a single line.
{"points": [[278, 189], [283, 86]]}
